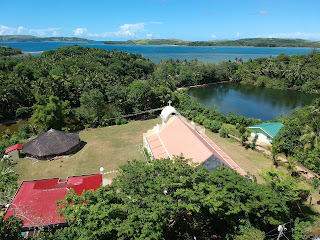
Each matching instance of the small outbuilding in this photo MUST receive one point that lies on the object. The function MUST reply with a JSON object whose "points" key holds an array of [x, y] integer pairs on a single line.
{"points": [[51, 144], [266, 131], [14, 151]]}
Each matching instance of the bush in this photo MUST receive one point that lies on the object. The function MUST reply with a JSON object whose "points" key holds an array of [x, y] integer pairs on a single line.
{"points": [[215, 126], [14, 140], [224, 132], [315, 183], [207, 123], [25, 131], [118, 121], [123, 121]]}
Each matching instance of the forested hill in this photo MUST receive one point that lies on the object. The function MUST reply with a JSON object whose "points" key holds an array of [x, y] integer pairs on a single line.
{"points": [[30, 38], [247, 42], [260, 42], [170, 41]]}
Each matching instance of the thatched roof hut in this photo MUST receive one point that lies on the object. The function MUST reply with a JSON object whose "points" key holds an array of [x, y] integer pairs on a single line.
{"points": [[52, 143]]}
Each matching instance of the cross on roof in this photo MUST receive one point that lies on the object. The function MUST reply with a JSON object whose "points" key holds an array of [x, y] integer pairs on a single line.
{"points": [[169, 102]]}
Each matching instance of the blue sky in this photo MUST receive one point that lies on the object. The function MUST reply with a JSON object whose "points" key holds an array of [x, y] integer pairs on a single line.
{"points": [[182, 19]]}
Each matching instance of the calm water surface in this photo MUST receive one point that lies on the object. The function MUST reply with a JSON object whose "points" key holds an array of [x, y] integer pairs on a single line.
{"points": [[156, 53], [251, 101]]}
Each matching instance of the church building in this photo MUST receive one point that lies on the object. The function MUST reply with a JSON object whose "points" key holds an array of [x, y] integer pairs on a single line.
{"points": [[176, 136]]}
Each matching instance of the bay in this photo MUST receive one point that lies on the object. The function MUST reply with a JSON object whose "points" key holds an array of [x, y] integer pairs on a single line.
{"points": [[156, 52], [251, 101]]}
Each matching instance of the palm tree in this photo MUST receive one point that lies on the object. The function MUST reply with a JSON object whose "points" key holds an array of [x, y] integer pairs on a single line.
{"points": [[275, 151], [310, 137], [291, 167]]}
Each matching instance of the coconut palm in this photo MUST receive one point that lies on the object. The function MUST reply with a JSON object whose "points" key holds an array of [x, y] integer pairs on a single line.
{"points": [[310, 137], [291, 166]]}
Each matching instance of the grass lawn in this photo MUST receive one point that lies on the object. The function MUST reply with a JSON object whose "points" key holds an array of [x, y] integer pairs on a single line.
{"points": [[107, 147], [251, 161]]}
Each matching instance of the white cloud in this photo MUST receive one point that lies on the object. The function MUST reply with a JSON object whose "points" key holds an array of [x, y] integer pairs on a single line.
{"points": [[55, 34], [262, 12], [43, 32], [311, 36], [4, 30], [37, 32], [80, 31], [125, 31], [213, 36], [156, 22], [20, 29], [238, 34], [149, 35]]}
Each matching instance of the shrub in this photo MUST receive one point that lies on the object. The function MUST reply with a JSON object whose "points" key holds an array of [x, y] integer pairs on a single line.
{"points": [[118, 121], [224, 132], [25, 131], [123, 121], [215, 126], [207, 123]]}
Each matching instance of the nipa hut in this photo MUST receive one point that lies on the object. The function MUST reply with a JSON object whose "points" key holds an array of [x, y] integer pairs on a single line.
{"points": [[51, 144]]}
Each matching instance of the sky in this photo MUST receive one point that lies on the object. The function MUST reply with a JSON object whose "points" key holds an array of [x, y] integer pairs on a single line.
{"points": [[192, 20]]}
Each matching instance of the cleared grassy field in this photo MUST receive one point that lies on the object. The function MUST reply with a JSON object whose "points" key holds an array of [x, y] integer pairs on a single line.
{"points": [[107, 147], [251, 161]]}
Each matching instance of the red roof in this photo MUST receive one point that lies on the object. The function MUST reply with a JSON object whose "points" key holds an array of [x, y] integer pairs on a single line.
{"points": [[14, 147], [177, 136], [35, 201]]}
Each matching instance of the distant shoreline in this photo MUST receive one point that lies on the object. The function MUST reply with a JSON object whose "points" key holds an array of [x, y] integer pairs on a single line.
{"points": [[204, 85], [172, 45]]}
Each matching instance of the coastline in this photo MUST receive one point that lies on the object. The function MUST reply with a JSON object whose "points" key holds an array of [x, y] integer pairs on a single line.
{"points": [[203, 85]]}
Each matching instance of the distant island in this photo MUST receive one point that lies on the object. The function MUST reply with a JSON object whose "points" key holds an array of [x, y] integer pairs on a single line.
{"points": [[30, 38], [246, 42]]}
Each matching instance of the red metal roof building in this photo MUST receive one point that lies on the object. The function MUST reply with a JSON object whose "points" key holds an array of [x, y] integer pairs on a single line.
{"points": [[14, 147], [35, 201]]}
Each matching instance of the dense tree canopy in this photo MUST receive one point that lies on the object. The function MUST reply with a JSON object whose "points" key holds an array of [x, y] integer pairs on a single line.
{"points": [[8, 51], [165, 199], [297, 72], [300, 135]]}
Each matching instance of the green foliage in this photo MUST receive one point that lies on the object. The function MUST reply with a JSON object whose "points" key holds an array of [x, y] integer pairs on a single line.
{"points": [[297, 72], [10, 229], [315, 183], [30, 38], [9, 51], [167, 199], [92, 108], [8, 182], [67, 73], [25, 131], [284, 184], [224, 132], [247, 232], [140, 96], [49, 113], [251, 42], [287, 139], [300, 229], [215, 126], [253, 144], [300, 136]]}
